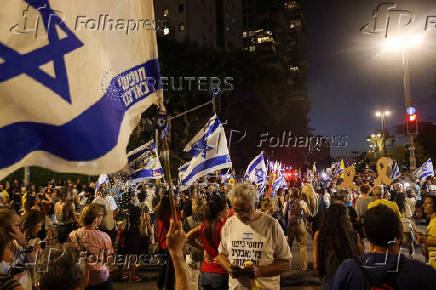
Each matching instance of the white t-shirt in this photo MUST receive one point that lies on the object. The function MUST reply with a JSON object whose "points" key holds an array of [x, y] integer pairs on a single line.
{"points": [[262, 242], [327, 199]]}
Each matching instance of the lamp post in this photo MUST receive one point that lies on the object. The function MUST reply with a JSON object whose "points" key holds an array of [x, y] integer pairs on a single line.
{"points": [[376, 140], [382, 116], [406, 82], [402, 44]]}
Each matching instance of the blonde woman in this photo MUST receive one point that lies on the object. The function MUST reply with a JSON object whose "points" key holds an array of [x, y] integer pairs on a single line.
{"points": [[94, 242], [311, 198]]}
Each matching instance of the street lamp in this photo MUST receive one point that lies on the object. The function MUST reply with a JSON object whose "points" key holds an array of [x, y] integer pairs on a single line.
{"points": [[375, 140], [382, 115], [404, 43]]}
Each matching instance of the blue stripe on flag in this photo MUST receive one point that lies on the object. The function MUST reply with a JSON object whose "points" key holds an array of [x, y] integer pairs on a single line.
{"points": [[84, 138], [210, 163], [145, 173], [135, 155], [257, 161]]}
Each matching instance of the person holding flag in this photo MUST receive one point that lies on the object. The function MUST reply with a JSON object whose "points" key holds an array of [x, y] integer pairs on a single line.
{"points": [[425, 170], [395, 171], [256, 172]]}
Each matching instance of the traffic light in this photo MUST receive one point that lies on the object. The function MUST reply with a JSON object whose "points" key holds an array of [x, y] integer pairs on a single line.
{"points": [[412, 121]]}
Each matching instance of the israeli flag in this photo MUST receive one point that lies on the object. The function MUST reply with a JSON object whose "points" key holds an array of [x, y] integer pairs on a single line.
{"points": [[309, 174], [225, 177], [425, 170], [256, 171], [395, 171], [209, 152], [182, 170], [280, 181], [75, 78], [144, 163], [338, 169], [102, 179]]}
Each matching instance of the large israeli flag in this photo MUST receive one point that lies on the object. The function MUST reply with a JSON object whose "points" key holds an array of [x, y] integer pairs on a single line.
{"points": [[425, 170], [144, 163], [209, 152], [256, 171], [75, 77], [395, 171]]}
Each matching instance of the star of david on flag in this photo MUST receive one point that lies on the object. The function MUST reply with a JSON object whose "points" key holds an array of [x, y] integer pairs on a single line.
{"points": [[210, 156], [256, 171], [425, 170], [70, 100]]}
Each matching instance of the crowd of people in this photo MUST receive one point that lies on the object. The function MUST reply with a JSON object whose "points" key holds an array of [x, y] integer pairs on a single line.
{"points": [[220, 236]]}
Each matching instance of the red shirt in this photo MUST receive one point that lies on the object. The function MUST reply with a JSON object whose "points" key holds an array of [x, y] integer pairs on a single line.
{"points": [[212, 250], [231, 212], [163, 226]]}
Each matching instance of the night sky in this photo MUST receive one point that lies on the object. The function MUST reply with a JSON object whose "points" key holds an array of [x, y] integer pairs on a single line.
{"points": [[351, 77]]}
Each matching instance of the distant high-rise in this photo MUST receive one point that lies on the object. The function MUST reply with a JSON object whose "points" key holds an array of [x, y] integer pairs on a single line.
{"points": [[206, 23], [274, 31]]}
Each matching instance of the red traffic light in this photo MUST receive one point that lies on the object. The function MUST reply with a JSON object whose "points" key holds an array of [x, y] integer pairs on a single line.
{"points": [[412, 118]]}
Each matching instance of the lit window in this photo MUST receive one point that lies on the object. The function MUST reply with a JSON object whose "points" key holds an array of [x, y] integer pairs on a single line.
{"points": [[181, 27], [252, 48], [290, 4], [166, 12], [166, 31], [244, 34]]}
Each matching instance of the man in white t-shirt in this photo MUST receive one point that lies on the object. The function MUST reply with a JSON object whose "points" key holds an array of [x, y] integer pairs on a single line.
{"points": [[253, 248]]}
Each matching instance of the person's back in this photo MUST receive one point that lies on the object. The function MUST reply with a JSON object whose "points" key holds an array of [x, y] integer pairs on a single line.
{"points": [[412, 274], [384, 232], [390, 204], [363, 201], [377, 193]]}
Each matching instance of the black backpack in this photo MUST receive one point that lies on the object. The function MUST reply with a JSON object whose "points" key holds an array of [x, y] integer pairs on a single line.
{"points": [[389, 280]]}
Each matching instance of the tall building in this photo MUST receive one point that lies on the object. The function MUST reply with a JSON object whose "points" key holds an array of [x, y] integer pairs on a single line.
{"points": [[206, 23], [274, 31]]}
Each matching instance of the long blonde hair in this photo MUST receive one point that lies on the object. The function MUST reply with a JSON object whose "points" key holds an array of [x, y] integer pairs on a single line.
{"points": [[311, 198]]}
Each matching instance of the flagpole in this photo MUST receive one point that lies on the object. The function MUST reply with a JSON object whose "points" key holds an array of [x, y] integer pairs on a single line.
{"points": [[166, 157], [156, 139]]}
